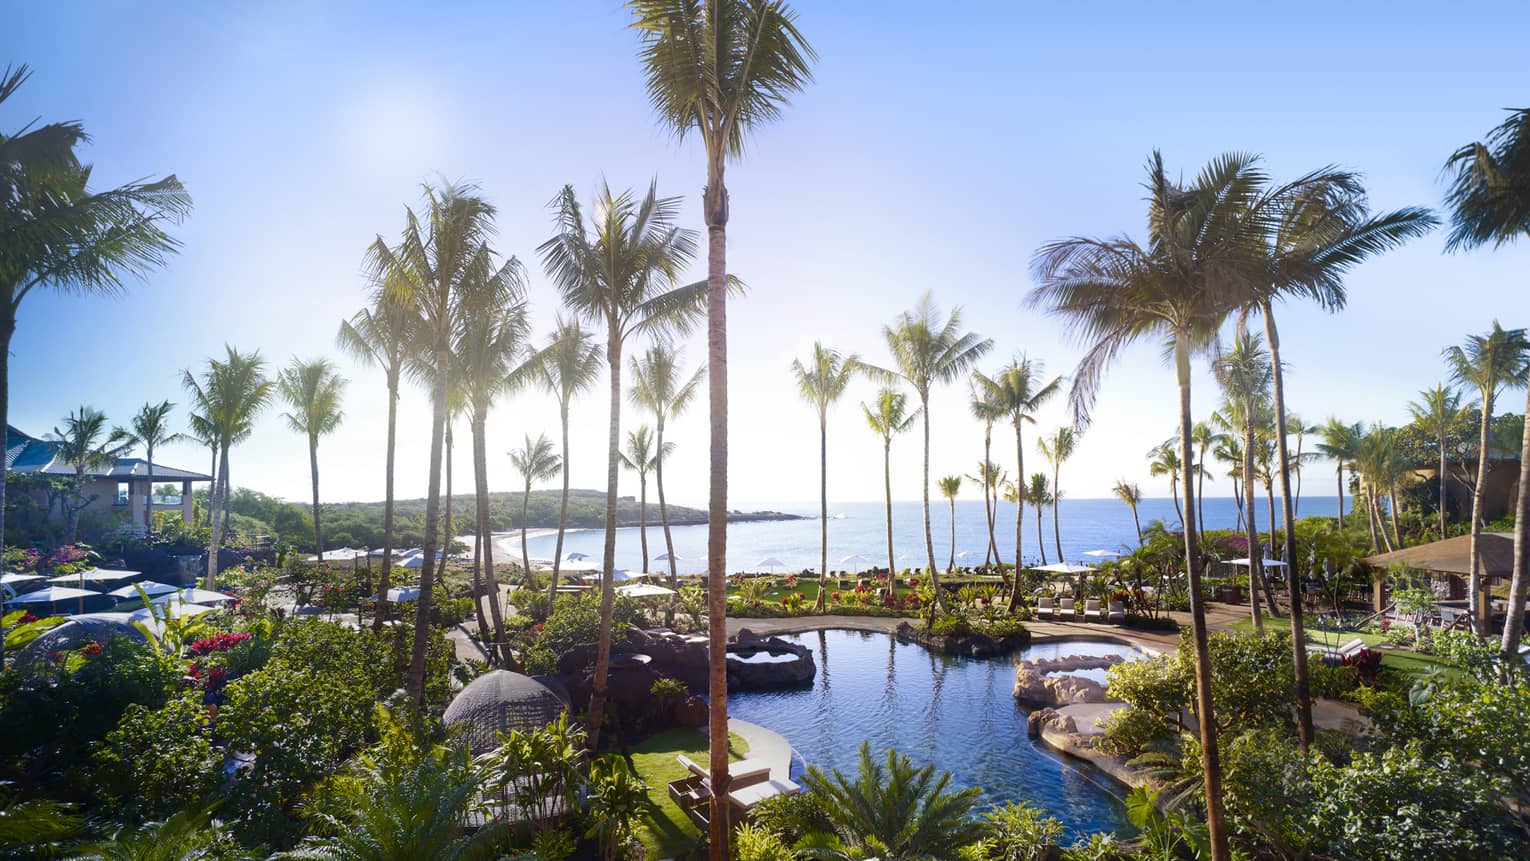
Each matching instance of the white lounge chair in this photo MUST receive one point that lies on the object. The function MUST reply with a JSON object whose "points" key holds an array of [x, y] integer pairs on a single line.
{"points": [[1349, 649], [1067, 609], [1044, 606], [1117, 612], [1092, 610]]}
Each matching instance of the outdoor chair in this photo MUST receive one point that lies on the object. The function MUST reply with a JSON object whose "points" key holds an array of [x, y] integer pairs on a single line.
{"points": [[1349, 649], [1044, 606], [1117, 612], [1092, 610], [1067, 610]]}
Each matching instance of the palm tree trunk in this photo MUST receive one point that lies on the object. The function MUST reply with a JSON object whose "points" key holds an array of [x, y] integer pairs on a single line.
{"points": [[228, 494], [1174, 494], [1371, 522], [823, 510], [1341, 494], [148, 504], [715, 203], [387, 558], [552, 588], [991, 552], [1298, 634], [525, 556], [669, 543], [414, 682], [1238, 503], [1041, 543], [643, 514], [1514, 621], [892, 570], [1056, 513], [929, 540], [1211, 761], [1392, 515], [1251, 531], [608, 558], [449, 529], [313, 468], [1473, 584], [215, 526], [1014, 591], [1200, 493], [7, 329], [951, 563], [501, 650], [1442, 484], [484, 633], [1269, 497]]}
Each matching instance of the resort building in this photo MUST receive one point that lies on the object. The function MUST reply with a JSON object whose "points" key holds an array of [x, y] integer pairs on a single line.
{"points": [[123, 489]]}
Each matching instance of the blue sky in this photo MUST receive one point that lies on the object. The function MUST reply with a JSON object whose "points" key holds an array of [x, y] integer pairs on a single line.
{"points": [[936, 150]]}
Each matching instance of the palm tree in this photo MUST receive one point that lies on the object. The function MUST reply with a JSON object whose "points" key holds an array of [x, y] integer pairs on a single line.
{"points": [[822, 382], [151, 429], [57, 235], [989, 476], [928, 348], [571, 364], [381, 335], [1056, 449], [313, 390], [1487, 363], [1204, 439], [232, 392], [1338, 445], [190, 833], [642, 458], [1164, 460], [894, 812], [494, 358], [619, 270], [86, 445], [1207, 245], [1436, 411], [662, 388], [437, 257], [1130, 494], [1244, 373], [987, 409], [1017, 387], [950, 486], [535, 461], [888, 418], [1039, 496], [720, 68], [1489, 199], [1298, 428]]}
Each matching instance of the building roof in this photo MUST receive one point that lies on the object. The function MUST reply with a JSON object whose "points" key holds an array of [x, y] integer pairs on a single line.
{"points": [[28, 454], [1453, 556]]}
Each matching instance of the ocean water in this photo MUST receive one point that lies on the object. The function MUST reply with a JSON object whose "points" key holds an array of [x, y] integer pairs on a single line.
{"points": [[859, 529]]}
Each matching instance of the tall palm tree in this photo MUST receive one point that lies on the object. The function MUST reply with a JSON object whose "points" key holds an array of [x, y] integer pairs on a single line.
{"points": [[58, 235], [987, 409], [1018, 387], [660, 386], [1130, 494], [642, 458], [1297, 427], [232, 393], [313, 389], [888, 417], [1488, 363], [151, 429], [494, 358], [1436, 411], [1315, 229], [1206, 246], [1204, 439], [989, 476], [1164, 460], [381, 335], [950, 486], [1244, 373], [619, 270], [441, 251], [1039, 496], [1489, 202], [822, 382], [720, 68], [535, 461], [87, 445], [928, 348], [1338, 444], [570, 365], [1056, 449]]}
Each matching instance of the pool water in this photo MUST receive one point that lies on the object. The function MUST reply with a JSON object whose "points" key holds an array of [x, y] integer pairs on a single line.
{"points": [[956, 713], [1063, 648]]}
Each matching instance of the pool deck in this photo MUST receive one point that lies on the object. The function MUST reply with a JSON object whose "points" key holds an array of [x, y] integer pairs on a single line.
{"points": [[767, 745], [1219, 617]]}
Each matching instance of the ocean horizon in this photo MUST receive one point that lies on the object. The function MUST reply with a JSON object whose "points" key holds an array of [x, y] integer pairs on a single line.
{"points": [[858, 529]]}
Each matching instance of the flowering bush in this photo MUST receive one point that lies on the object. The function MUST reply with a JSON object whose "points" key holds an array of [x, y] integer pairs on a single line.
{"points": [[90, 650], [219, 643], [68, 559], [21, 559], [1366, 665]]}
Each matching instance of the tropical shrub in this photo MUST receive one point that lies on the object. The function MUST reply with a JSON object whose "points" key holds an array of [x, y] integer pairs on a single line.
{"points": [[759, 843], [950, 625], [1251, 677], [1015, 832], [617, 798], [1157, 689], [158, 761], [538, 772], [1269, 793]]}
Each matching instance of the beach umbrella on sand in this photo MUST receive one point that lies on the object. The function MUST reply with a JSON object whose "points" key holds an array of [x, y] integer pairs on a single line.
{"points": [[856, 560]]}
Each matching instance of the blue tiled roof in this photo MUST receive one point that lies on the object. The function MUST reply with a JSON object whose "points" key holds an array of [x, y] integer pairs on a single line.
{"points": [[26, 453]]}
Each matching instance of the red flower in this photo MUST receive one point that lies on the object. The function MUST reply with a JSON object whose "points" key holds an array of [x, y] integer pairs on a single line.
{"points": [[835, 596], [91, 650], [27, 618]]}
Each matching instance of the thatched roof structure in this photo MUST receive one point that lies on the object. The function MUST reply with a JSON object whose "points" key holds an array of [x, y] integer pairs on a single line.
{"points": [[1453, 556]]}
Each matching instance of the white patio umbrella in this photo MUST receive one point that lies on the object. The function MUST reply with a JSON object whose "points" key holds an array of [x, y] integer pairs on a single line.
{"points": [[1063, 568], [1268, 563], [855, 560], [618, 576], [176, 610], [95, 576], [10, 581], [150, 586], [404, 593], [643, 590], [579, 557], [53, 594], [1103, 554], [770, 562], [191, 595]]}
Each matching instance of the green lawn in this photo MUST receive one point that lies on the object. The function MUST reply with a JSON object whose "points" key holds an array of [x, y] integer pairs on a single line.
{"points": [[1408, 662], [667, 832]]}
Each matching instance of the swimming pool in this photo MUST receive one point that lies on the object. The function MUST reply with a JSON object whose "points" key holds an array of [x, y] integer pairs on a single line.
{"points": [[956, 713]]}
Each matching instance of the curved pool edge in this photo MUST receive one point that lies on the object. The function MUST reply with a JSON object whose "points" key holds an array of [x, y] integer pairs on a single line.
{"points": [[765, 744], [1151, 643]]}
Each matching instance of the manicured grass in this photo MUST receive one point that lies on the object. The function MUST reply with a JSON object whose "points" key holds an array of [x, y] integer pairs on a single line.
{"points": [[1402, 661], [666, 831]]}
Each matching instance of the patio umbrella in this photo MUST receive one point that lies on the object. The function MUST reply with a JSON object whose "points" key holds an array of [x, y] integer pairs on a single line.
{"points": [[177, 610], [770, 562], [95, 576], [1063, 568], [1103, 554], [1268, 563], [578, 557], [191, 595], [150, 586], [404, 593], [53, 594], [856, 560], [643, 590], [10, 582], [618, 576]]}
